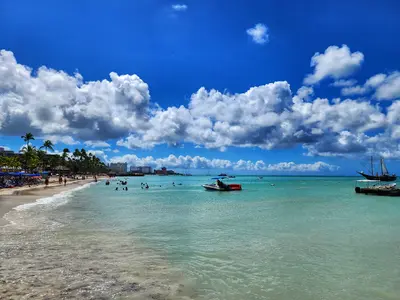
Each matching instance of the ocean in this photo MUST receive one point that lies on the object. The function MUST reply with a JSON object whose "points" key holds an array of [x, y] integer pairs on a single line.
{"points": [[280, 238]]}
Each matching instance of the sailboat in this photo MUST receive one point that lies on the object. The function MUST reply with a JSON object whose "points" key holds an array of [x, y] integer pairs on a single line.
{"points": [[384, 176]]}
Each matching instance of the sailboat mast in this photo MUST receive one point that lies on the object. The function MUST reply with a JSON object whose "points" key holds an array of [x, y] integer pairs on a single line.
{"points": [[372, 166]]}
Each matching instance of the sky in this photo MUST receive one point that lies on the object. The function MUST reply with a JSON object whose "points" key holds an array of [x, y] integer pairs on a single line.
{"points": [[259, 87]]}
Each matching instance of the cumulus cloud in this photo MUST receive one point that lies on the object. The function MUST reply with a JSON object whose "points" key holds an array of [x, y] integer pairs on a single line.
{"points": [[179, 7], [100, 154], [386, 87], [355, 90], [66, 139], [51, 102], [336, 62], [65, 108], [389, 87], [344, 83], [199, 162], [95, 144], [259, 33]]}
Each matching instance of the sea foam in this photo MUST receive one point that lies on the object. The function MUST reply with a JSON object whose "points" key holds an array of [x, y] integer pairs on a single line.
{"points": [[55, 200]]}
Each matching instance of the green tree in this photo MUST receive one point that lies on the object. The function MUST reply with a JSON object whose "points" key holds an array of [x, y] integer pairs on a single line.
{"points": [[47, 144], [27, 138], [65, 156], [41, 155], [14, 162], [30, 157], [55, 161]]}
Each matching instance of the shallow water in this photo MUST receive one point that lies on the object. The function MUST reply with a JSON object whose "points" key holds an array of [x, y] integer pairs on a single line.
{"points": [[303, 238]]}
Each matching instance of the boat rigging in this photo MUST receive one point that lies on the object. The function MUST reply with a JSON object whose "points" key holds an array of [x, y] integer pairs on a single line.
{"points": [[384, 176]]}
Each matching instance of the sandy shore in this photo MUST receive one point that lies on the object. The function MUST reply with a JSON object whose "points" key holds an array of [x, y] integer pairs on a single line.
{"points": [[10, 198]]}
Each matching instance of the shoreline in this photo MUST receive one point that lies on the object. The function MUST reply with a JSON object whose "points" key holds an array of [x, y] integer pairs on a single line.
{"points": [[11, 198]]}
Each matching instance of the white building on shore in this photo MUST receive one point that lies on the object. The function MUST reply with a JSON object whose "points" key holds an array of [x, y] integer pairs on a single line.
{"points": [[119, 167], [141, 169]]}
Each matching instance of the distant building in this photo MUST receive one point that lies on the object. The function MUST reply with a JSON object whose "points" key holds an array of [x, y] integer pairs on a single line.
{"points": [[134, 169], [5, 152], [164, 171], [142, 169], [118, 167]]}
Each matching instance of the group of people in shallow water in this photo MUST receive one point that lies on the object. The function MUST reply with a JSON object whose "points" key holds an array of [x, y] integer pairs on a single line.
{"points": [[142, 185], [124, 188]]}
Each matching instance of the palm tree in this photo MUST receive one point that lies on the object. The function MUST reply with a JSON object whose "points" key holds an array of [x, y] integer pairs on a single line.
{"points": [[42, 158], [47, 145], [75, 163], [30, 157], [65, 155], [55, 161], [27, 137], [76, 153]]}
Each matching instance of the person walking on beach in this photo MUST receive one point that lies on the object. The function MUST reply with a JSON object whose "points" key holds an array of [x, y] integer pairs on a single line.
{"points": [[46, 181], [60, 180], [65, 181]]}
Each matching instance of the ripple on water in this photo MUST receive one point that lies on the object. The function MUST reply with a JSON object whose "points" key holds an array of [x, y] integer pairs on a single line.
{"points": [[95, 265]]}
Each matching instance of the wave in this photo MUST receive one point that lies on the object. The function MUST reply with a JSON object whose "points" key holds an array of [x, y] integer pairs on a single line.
{"points": [[55, 200]]}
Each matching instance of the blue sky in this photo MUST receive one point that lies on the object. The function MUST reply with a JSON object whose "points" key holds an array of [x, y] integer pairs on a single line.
{"points": [[176, 50]]}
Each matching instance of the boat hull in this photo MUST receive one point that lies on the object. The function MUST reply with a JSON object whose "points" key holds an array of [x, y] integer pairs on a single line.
{"points": [[378, 191], [227, 188], [385, 178]]}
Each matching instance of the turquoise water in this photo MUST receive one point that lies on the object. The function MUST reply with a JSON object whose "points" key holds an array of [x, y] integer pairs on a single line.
{"points": [[280, 238]]}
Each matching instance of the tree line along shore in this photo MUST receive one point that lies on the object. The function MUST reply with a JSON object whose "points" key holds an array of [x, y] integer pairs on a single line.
{"points": [[41, 160]]}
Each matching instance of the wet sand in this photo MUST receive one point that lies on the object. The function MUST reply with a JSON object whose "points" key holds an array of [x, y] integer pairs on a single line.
{"points": [[10, 198]]}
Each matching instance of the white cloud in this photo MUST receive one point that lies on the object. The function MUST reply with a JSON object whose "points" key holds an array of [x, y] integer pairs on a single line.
{"points": [[100, 154], [336, 62], [95, 144], [134, 141], [344, 83], [5, 148], [389, 88], [375, 80], [66, 139], [355, 90], [66, 109], [179, 7], [115, 151], [259, 33], [51, 102], [199, 162], [371, 83]]}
